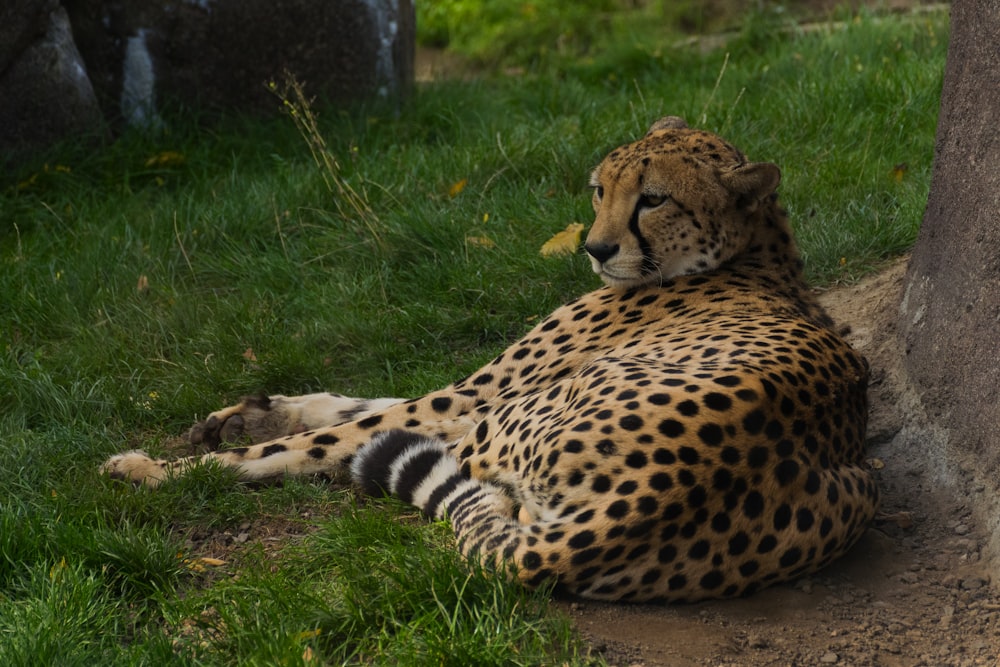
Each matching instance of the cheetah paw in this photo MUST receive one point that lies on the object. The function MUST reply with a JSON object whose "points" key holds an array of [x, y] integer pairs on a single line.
{"points": [[136, 467], [258, 418]]}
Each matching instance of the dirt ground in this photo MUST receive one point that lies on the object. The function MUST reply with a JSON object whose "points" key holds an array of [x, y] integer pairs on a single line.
{"points": [[915, 590]]}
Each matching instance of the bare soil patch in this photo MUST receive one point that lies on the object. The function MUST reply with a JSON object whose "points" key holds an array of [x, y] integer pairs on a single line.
{"points": [[915, 591]]}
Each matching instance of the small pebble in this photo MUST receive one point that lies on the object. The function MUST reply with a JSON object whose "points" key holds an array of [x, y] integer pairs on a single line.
{"points": [[961, 529], [972, 583], [830, 658]]}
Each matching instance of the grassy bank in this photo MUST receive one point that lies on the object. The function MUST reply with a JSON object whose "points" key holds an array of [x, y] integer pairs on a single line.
{"points": [[148, 282]]}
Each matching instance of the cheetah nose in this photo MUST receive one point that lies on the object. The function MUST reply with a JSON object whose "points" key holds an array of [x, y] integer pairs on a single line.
{"points": [[602, 252]]}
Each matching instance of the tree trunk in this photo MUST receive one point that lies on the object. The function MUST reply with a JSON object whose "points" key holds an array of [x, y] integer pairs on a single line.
{"points": [[949, 317]]}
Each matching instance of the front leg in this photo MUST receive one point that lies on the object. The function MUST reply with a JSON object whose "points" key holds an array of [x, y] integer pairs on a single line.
{"points": [[264, 418], [324, 450], [295, 455]]}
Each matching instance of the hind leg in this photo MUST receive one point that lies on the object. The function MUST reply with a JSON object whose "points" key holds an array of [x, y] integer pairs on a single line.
{"points": [[264, 418]]}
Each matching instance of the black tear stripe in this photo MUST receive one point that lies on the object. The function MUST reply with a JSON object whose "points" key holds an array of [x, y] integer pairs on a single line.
{"points": [[648, 265]]}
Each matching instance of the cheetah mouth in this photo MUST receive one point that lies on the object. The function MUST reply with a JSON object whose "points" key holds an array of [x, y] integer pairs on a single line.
{"points": [[614, 272], [617, 279]]}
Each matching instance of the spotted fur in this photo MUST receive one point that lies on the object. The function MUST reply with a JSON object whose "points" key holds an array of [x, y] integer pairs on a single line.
{"points": [[694, 429]]}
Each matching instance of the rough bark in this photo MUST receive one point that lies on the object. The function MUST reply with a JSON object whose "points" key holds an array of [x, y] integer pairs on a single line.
{"points": [[949, 318]]}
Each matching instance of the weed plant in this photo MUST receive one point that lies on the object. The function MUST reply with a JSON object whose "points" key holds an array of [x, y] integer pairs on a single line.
{"points": [[147, 282]]}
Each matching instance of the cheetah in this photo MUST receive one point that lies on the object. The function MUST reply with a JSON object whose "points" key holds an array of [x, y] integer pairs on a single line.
{"points": [[693, 429]]}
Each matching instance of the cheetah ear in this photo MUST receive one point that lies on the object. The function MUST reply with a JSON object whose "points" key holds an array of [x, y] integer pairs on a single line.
{"points": [[667, 123], [753, 181]]}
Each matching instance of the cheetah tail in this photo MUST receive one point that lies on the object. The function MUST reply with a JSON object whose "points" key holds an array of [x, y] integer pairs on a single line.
{"points": [[420, 471]]}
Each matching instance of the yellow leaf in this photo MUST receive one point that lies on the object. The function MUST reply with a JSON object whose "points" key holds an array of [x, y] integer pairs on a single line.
{"points": [[28, 182], [308, 634], [142, 285], [249, 355], [56, 569], [564, 242], [166, 159], [198, 564], [899, 171], [456, 188], [481, 241]]}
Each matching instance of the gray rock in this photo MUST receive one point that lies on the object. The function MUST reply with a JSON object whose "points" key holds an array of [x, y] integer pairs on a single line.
{"points": [[106, 63], [45, 94], [147, 54], [22, 22]]}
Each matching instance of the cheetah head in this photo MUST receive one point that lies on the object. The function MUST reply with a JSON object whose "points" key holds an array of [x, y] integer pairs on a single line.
{"points": [[678, 201]]}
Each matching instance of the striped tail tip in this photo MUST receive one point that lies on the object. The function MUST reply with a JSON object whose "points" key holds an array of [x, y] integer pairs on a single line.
{"points": [[414, 468]]}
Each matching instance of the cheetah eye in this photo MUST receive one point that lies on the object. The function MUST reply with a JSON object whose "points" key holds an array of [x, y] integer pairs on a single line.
{"points": [[599, 191], [651, 201]]}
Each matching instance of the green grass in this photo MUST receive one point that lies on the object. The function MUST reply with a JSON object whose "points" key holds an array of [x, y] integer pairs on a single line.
{"points": [[134, 295]]}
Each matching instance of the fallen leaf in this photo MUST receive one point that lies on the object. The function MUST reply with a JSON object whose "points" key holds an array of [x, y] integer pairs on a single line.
{"points": [[899, 171], [199, 564], [56, 569], [142, 285], [456, 188], [876, 464], [481, 241], [28, 182], [166, 159], [565, 242], [902, 519], [249, 355]]}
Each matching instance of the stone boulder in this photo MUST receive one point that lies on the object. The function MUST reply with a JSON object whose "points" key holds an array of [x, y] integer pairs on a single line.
{"points": [[133, 58], [45, 94], [143, 54]]}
